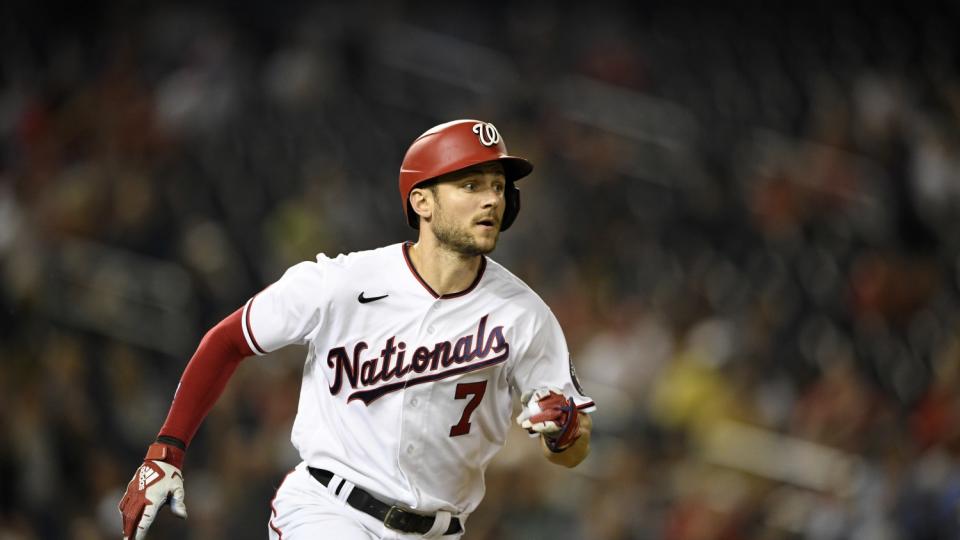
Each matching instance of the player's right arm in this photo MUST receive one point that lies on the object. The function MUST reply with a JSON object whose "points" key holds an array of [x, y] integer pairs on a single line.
{"points": [[202, 382], [281, 314]]}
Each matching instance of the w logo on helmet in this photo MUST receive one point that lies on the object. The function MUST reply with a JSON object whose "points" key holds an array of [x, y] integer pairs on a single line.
{"points": [[487, 133]]}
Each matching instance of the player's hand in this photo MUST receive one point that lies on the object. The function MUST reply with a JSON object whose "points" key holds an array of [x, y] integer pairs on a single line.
{"points": [[154, 484], [546, 411]]}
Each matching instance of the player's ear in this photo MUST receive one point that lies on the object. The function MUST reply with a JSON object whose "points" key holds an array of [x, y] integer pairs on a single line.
{"points": [[421, 201]]}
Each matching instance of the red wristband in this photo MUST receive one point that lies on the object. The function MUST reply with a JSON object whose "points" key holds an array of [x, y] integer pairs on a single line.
{"points": [[166, 453]]}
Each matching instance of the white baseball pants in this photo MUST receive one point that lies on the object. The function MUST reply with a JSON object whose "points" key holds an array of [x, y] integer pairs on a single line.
{"points": [[304, 509]]}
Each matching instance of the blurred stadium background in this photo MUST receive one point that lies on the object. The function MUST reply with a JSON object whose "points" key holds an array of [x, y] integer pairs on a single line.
{"points": [[746, 219]]}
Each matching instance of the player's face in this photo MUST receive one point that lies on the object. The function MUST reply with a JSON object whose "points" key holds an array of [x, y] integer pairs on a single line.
{"points": [[468, 209]]}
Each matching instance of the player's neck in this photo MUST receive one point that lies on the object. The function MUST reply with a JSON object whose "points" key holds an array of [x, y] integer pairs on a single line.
{"points": [[445, 271]]}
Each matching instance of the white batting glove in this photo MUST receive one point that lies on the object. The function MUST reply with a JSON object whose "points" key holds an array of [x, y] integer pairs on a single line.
{"points": [[154, 484]]}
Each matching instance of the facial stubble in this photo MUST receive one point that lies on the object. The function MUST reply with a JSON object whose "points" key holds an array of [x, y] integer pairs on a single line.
{"points": [[456, 238]]}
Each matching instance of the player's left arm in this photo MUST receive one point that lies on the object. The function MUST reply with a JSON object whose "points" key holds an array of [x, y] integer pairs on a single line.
{"points": [[564, 430], [576, 452], [554, 404]]}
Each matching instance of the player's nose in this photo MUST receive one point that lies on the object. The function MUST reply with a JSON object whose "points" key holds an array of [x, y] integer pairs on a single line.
{"points": [[492, 200], [492, 195]]}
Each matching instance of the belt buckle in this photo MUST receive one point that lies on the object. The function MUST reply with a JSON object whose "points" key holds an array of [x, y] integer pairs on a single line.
{"points": [[391, 515]]}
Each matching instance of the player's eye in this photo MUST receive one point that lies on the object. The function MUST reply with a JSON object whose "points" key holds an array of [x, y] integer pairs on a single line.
{"points": [[470, 186], [498, 188]]}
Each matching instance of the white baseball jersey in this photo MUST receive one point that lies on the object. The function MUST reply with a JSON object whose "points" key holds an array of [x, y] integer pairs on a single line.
{"points": [[406, 393]]}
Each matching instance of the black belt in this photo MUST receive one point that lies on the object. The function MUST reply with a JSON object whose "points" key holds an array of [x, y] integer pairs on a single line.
{"points": [[393, 517]]}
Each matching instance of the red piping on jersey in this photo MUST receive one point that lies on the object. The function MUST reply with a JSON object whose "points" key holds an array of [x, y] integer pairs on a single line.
{"points": [[586, 406], [406, 258], [246, 322], [274, 508], [274, 527]]}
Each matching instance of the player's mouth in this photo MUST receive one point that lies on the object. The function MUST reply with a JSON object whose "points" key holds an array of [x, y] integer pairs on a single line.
{"points": [[487, 223]]}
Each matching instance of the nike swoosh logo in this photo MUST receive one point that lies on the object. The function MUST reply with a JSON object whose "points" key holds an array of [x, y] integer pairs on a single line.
{"points": [[364, 300]]}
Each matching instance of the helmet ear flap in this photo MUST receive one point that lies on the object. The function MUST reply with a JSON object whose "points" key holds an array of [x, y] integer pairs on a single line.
{"points": [[413, 219], [512, 196]]}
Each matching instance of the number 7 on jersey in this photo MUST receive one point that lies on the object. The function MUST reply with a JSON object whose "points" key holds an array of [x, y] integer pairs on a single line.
{"points": [[475, 389]]}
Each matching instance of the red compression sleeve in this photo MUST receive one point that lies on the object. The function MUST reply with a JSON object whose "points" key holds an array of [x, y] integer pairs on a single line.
{"points": [[205, 377]]}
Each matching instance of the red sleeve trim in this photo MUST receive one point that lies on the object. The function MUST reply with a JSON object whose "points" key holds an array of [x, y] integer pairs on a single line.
{"points": [[249, 329]]}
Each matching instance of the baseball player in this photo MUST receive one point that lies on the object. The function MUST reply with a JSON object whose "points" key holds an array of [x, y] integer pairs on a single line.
{"points": [[416, 352]]}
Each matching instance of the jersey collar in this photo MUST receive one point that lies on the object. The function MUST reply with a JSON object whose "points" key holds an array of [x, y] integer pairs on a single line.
{"points": [[406, 257]]}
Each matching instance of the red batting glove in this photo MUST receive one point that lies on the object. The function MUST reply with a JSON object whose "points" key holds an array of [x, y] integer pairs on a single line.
{"points": [[157, 482], [548, 412]]}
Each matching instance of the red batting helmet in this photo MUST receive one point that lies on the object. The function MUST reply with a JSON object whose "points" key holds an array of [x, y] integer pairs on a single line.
{"points": [[457, 145]]}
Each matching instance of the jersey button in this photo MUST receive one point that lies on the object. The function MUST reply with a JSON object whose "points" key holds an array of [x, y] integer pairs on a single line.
{"points": [[414, 402], [410, 449], [430, 329]]}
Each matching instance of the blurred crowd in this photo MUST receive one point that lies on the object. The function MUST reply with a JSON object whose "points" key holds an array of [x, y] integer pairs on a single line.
{"points": [[744, 218]]}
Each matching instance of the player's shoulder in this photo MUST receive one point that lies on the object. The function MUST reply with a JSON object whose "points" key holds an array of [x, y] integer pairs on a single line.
{"points": [[505, 283], [326, 266], [355, 259]]}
